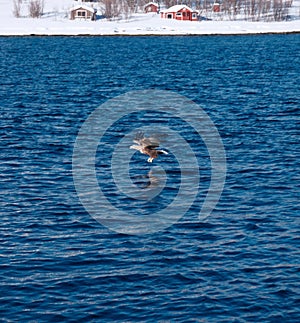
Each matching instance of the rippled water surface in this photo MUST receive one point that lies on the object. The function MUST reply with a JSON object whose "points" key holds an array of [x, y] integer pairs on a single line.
{"points": [[241, 264]]}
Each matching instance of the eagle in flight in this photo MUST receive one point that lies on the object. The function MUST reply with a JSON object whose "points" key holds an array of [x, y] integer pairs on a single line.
{"points": [[147, 146]]}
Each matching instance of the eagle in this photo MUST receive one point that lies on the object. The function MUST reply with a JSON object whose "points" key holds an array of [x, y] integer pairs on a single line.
{"points": [[147, 146]]}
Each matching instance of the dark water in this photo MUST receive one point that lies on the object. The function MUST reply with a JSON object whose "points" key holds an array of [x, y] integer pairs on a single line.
{"points": [[239, 265]]}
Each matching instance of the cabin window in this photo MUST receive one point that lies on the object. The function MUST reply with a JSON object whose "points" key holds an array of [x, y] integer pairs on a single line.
{"points": [[81, 14]]}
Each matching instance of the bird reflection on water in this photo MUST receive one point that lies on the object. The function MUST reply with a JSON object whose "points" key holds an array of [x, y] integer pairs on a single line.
{"points": [[147, 181]]}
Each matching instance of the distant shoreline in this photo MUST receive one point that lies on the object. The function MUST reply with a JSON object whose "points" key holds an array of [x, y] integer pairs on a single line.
{"points": [[152, 35]]}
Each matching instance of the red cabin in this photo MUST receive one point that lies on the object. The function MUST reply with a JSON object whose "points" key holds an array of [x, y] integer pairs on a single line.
{"points": [[216, 7], [83, 12], [180, 12], [151, 7]]}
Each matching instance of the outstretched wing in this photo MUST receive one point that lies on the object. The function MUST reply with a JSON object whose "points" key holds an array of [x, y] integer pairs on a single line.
{"points": [[137, 147], [146, 142]]}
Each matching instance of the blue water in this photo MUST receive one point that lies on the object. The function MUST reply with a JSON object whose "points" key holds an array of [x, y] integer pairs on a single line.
{"points": [[241, 264]]}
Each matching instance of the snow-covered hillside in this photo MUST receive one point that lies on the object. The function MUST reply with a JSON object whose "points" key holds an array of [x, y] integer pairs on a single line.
{"points": [[56, 21]]}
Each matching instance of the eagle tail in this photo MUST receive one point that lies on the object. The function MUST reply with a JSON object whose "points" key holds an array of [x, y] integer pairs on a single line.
{"points": [[160, 152]]}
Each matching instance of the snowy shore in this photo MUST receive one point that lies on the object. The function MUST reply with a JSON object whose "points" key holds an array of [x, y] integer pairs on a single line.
{"points": [[138, 24], [155, 26]]}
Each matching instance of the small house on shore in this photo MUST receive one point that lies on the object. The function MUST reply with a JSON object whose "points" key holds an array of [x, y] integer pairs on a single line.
{"points": [[216, 7], [180, 12], [83, 12], [151, 7]]}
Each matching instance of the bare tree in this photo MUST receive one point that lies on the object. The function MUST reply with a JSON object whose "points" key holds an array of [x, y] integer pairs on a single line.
{"points": [[131, 4], [36, 8], [170, 3], [126, 9], [17, 8], [112, 9], [277, 9]]}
